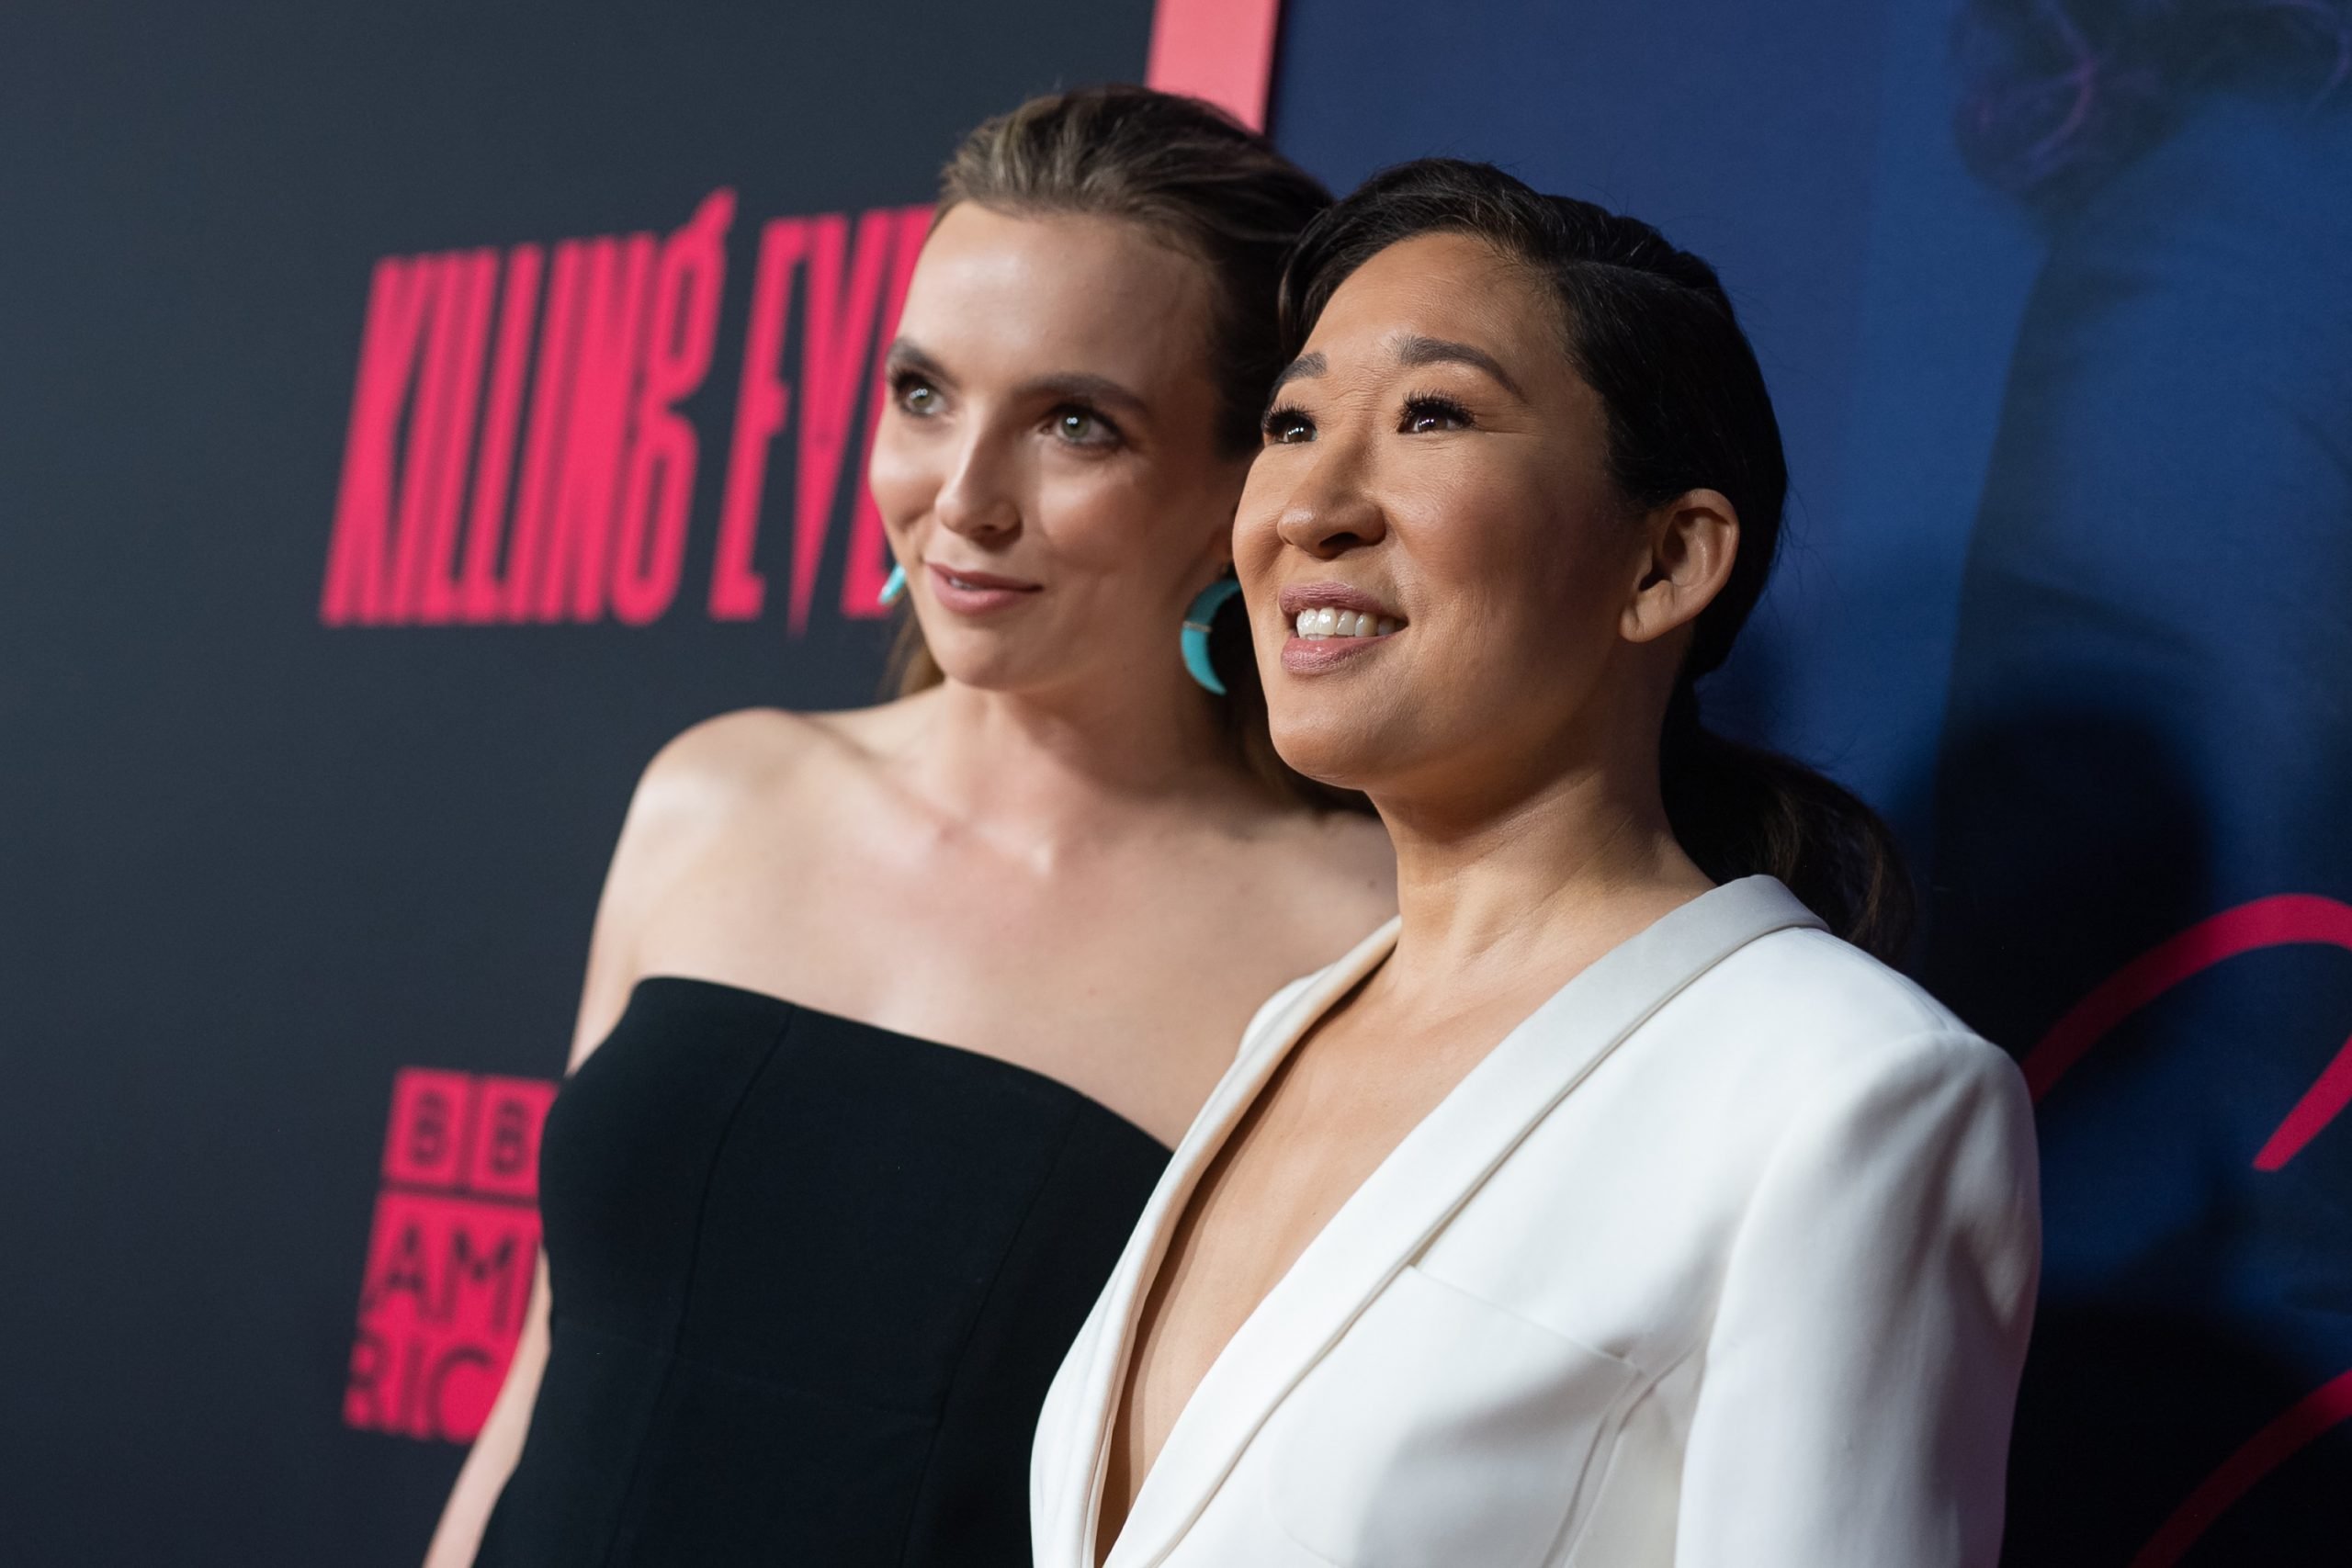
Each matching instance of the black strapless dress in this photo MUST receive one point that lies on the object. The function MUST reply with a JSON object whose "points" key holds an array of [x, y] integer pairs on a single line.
{"points": [[812, 1279]]}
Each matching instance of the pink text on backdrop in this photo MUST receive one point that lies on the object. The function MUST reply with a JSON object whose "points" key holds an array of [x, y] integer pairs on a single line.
{"points": [[516, 452], [451, 1254]]}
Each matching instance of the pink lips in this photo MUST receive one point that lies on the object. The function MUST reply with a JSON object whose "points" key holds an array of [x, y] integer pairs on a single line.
{"points": [[975, 592], [1313, 655], [1333, 595]]}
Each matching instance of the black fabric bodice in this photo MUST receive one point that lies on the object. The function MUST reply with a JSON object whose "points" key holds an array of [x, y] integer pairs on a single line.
{"points": [[810, 1281]]}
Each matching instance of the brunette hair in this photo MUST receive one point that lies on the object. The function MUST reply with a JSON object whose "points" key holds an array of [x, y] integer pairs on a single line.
{"points": [[1649, 328], [1198, 180]]}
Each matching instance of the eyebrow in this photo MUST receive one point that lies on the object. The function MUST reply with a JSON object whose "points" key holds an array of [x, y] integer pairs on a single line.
{"points": [[1298, 369], [1414, 349], [1083, 387], [906, 353], [1076, 385]]}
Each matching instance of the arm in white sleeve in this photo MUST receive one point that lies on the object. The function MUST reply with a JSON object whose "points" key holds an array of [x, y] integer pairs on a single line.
{"points": [[1859, 1379]]}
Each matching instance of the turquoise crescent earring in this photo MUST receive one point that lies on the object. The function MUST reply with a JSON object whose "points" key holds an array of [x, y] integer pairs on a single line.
{"points": [[894, 587], [1194, 639]]}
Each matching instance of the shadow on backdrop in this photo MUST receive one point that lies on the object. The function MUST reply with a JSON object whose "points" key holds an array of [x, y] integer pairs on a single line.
{"points": [[2149, 725]]}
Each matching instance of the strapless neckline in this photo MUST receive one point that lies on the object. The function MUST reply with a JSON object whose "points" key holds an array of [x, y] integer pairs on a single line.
{"points": [[771, 999], [811, 1279]]}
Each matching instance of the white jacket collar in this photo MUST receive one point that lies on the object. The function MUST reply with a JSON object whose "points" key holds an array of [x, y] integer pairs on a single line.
{"points": [[1378, 1230]]}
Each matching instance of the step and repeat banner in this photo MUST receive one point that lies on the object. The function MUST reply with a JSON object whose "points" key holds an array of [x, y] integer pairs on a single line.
{"points": [[411, 417]]}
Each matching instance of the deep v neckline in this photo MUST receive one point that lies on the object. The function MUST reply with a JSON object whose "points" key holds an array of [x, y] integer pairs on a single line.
{"points": [[1403, 1200]]}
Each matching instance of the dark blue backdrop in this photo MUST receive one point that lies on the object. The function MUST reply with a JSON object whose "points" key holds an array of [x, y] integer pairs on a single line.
{"points": [[2070, 546]]}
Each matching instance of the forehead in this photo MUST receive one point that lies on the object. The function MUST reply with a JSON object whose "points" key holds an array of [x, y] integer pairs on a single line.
{"points": [[994, 291], [1452, 287]]}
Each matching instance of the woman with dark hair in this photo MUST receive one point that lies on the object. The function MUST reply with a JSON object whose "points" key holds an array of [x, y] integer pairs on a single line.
{"points": [[890, 1015], [1607, 1208]]}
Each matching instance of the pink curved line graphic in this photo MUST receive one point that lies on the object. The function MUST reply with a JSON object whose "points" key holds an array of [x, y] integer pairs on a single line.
{"points": [[2309, 1417], [2284, 920]]}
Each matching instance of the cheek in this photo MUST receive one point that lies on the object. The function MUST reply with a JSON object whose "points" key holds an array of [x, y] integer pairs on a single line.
{"points": [[1481, 545], [1091, 514], [1256, 544], [905, 472], [1141, 519], [1520, 583]]}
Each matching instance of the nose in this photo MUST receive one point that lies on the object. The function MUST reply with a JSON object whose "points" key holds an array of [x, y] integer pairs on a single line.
{"points": [[975, 502], [1330, 512]]}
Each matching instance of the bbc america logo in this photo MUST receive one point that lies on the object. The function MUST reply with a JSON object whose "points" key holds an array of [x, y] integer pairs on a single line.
{"points": [[451, 1254]]}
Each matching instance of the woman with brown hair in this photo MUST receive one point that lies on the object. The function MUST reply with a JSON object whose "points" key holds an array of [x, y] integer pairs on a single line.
{"points": [[890, 1015], [1615, 1205]]}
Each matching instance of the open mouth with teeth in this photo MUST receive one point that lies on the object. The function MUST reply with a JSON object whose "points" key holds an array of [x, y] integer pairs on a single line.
{"points": [[1319, 625]]}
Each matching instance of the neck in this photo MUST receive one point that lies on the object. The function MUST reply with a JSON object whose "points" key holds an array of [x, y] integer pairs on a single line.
{"points": [[1536, 884], [1059, 762]]}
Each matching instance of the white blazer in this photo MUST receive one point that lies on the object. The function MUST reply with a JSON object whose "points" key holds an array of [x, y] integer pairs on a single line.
{"points": [[1725, 1257]]}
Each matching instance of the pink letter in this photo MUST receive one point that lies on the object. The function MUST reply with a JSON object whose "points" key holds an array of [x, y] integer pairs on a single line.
{"points": [[440, 435], [737, 590], [496, 465], [651, 551], [388, 353], [579, 553], [832, 364], [868, 563], [543, 449]]}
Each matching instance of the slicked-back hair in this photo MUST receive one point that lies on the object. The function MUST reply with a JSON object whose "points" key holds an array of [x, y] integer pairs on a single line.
{"points": [[1198, 180]]}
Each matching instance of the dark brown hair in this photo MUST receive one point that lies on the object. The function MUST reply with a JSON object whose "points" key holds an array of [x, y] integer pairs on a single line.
{"points": [[1649, 328], [1199, 181]]}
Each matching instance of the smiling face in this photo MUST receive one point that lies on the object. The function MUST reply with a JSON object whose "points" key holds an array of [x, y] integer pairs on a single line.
{"points": [[1047, 466], [1434, 461]]}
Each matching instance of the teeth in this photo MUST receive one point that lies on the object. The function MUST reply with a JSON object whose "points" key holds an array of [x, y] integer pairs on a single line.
{"points": [[1330, 622]]}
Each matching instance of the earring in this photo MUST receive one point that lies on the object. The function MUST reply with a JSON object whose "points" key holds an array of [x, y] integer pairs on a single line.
{"points": [[1194, 639], [894, 587]]}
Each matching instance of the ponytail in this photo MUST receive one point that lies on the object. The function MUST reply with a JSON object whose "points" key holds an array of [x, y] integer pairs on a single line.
{"points": [[1740, 810], [1650, 328]]}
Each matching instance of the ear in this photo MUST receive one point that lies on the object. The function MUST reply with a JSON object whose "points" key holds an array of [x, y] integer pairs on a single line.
{"points": [[1691, 544]]}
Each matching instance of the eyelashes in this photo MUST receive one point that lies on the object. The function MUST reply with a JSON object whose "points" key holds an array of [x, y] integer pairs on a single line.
{"points": [[1428, 413], [1287, 423], [913, 392], [1078, 424], [1423, 413], [1072, 422]]}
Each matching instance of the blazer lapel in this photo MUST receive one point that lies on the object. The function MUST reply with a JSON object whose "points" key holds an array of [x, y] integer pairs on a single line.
{"points": [[1105, 1344], [1401, 1205]]}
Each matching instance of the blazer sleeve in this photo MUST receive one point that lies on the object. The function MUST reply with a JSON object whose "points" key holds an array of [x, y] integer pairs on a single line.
{"points": [[1860, 1373]]}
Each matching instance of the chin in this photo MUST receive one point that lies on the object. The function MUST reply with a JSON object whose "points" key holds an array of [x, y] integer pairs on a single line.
{"points": [[1003, 661], [1340, 749]]}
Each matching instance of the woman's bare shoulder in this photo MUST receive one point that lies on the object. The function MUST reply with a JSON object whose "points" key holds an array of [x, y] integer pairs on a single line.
{"points": [[717, 777], [733, 750], [752, 753], [751, 784]]}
